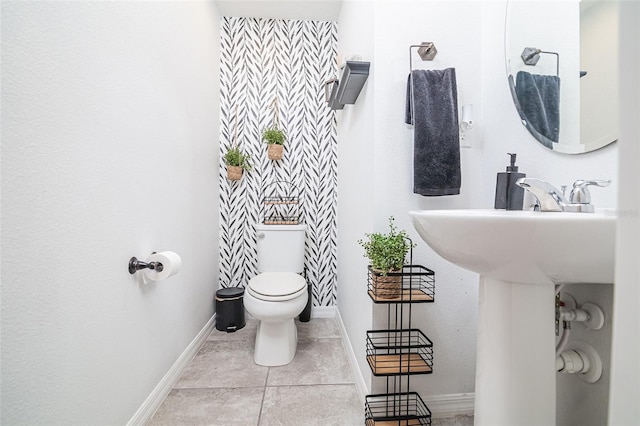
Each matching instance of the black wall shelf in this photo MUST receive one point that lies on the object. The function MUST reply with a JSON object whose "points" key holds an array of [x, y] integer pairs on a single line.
{"points": [[347, 89]]}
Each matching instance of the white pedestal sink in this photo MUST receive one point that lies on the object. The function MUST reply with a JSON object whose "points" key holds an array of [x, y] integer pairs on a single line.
{"points": [[520, 257]]}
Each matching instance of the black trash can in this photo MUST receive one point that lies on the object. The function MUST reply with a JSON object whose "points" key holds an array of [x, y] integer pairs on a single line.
{"points": [[230, 309], [305, 315]]}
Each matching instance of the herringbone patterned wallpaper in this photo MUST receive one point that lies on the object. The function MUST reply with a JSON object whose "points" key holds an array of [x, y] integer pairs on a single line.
{"points": [[264, 59]]}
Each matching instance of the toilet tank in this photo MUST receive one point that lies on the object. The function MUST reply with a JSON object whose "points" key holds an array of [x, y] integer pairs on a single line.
{"points": [[281, 248]]}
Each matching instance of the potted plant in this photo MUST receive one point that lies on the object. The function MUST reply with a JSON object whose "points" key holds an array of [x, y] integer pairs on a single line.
{"points": [[236, 162], [387, 254], [274, 138]]}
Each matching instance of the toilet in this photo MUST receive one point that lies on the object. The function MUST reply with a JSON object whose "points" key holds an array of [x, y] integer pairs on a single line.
{"points": [[278, 293]]}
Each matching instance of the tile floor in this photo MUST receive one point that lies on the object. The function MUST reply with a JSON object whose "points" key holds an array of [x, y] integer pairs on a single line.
{"points": [[222, 386]]}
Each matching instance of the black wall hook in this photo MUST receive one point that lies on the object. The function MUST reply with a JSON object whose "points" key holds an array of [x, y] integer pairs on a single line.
{"points": [[136, 265]]}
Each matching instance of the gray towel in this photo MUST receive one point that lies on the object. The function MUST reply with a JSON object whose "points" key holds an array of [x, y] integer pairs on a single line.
{"points": [[433, 110], [539, 99]]}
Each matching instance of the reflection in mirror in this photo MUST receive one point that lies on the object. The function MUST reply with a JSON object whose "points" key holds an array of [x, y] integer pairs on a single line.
{"points": [[562, 70]]}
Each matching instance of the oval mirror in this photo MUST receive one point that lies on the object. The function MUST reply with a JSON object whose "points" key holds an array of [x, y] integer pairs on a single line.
{"points": [[562, 69]]}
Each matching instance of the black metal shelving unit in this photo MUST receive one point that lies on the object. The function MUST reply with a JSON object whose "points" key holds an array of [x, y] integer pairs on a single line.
{"points": [[399, 352]]}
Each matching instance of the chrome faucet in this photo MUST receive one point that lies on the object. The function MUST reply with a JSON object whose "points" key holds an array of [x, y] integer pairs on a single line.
{"points": [[551, 199]]}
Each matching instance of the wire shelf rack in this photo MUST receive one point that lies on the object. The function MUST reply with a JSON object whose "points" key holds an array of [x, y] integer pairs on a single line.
{"points": [[282, 204], [414, 284], [396, 409], [396, 352]]}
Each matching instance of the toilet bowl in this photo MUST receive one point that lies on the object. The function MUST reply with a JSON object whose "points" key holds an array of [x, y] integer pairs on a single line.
{"points": [[278, 293], [275, 299]]}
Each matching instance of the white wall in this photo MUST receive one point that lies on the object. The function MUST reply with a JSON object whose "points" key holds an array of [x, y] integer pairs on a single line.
{"points": [[454, 28], [110, 125], [599, 33], [469, 37], [625, 375], [356, 146], [380, 183]]}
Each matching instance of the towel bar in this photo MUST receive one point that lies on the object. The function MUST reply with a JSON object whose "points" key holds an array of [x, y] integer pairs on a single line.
{"points": [[531, 55], [426, 50]]}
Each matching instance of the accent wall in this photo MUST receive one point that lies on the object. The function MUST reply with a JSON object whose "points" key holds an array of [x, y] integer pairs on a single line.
{"points": [[286, 61]]}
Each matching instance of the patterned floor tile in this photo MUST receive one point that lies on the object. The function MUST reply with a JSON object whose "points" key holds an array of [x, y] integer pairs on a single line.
{"points": [[453, 421], [318, 328], [321, 405], [222, 364], [247, 333], [317, 361], [215, 407]]}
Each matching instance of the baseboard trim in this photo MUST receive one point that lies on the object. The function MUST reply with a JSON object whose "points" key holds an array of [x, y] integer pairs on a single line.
{"points": [[157, 396], [457, 404], [323, 311], [361, 386]]}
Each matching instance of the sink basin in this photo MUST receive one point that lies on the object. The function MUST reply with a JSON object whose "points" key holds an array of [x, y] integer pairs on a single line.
{"points": [[523, 246], [519, 256]]}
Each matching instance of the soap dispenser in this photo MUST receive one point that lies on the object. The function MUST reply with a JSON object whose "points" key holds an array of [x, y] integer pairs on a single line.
{"points": [[509, 196]]}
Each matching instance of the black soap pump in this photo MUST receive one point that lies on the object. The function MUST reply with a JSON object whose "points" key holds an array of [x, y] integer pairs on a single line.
{"points": [[509, 196]]}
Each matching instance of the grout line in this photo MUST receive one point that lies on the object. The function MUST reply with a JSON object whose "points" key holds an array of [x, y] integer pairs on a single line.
{"points": [[320, 338], [264, 392], [263, 387], [312, 384], [217, 388]]}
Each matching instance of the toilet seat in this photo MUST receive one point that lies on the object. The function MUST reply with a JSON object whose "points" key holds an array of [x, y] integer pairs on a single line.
{"points": [[277, 286]]}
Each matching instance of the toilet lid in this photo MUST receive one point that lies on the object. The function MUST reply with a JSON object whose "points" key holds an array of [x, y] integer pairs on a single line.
{"points": [[277, 285]]}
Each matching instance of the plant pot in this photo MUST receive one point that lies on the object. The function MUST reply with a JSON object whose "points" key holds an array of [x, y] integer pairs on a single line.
{"points": [[274, 151], [234, 172], [386, 286]]}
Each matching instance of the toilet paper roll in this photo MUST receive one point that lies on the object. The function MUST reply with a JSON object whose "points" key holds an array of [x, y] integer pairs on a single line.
{"points": [[171, 263]]}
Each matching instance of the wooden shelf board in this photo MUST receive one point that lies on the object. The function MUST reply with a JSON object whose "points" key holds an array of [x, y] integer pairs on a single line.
{"points": [[406, 296], [409, 422], [280, 222], [398, 364], [280, 202]]}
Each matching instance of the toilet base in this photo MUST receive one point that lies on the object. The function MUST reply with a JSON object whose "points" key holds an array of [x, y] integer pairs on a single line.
{"points": [[276, 343]]}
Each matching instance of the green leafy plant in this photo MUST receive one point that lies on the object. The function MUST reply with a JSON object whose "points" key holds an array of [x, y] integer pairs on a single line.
{"points": [[235, 157], [273, 136], [387, 252]]}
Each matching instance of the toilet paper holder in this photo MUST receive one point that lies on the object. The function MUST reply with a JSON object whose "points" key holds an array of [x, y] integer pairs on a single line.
{"points": [[136, 265]]}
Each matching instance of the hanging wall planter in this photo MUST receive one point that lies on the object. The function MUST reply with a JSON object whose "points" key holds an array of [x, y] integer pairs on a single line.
{"points": [[273, 136], [236, 162], [275, 152], [234, 172]]}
